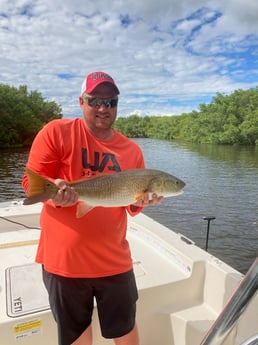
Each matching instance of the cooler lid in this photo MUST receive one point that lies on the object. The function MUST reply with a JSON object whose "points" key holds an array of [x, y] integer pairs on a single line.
{"points": [[25, 290]]}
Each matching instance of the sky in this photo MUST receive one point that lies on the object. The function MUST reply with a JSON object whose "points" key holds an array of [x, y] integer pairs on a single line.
{"points": [[166, 56]]}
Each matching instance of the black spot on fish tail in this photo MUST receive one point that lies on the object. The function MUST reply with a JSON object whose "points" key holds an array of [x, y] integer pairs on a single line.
{"points": [[36, 198]]}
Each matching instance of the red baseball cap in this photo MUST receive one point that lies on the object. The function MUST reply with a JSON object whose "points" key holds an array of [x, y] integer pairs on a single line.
{"points": [[96, 78]]}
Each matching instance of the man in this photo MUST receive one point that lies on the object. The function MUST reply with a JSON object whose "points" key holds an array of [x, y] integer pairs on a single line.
{"points": [[87, 257]]}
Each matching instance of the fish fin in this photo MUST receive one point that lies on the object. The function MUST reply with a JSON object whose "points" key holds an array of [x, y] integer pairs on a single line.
{"points": [[89, 178], [82, 209], [140, 196], [40, 188]]}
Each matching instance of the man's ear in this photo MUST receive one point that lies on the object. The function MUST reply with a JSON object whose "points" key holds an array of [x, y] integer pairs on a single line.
{"points": [[80, 101]]}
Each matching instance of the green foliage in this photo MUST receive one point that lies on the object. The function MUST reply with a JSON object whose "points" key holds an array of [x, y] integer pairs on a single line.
{"points": [[158, 127], [23, 114], [230, 119]]}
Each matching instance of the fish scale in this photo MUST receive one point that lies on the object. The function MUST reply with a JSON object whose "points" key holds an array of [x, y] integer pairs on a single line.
{"points": [[120, 190]]}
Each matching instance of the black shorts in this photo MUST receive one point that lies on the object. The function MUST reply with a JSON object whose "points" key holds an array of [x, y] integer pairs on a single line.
{"points": [[71, 301]]}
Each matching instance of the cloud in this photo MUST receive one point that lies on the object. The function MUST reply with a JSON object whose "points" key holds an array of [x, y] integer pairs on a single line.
{"points": [[166, 56]]}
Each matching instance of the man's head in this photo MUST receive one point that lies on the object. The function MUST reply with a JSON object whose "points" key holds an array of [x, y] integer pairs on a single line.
{"points": [[98, 101]]}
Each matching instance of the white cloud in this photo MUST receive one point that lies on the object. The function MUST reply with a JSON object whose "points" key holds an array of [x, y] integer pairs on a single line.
{"points": [[178, 51]]}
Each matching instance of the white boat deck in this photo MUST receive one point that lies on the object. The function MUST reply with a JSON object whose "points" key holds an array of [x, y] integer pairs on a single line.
{"points": [[182, 289]]}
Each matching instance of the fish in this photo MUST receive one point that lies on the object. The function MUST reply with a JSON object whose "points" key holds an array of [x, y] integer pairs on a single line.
{"points": [[120, 189]]}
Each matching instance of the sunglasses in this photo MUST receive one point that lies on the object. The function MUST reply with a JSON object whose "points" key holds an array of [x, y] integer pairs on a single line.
{"points": [[97, 102]]}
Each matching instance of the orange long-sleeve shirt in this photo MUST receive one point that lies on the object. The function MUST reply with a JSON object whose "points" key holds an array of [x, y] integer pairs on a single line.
{"points": [[94, 245]]}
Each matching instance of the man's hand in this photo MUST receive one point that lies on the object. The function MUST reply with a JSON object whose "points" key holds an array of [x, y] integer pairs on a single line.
{"points": [[66, 195], [145, 202]]}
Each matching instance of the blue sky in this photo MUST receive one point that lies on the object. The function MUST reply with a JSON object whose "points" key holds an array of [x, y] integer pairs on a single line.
{"points": [[167, 56]]}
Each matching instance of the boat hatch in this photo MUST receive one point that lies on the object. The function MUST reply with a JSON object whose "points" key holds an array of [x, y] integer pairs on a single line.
{"points": [[25, 291]]}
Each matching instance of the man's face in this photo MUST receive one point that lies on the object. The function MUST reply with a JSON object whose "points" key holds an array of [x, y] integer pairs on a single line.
{"points": [[99, 116]]}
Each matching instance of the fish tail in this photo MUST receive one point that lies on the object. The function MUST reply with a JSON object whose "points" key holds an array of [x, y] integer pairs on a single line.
{"points": [[40, 189]]}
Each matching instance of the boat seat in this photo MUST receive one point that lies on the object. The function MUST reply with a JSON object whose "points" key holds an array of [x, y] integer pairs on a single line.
{"points": [[194, 322], [183, 308]]}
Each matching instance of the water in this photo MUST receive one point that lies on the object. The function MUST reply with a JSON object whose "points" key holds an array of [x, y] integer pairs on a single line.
{"points": [[221, 181], [12, 163]]}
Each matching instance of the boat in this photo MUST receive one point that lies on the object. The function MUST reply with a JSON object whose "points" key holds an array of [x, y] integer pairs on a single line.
{"points": [[186, 295]]}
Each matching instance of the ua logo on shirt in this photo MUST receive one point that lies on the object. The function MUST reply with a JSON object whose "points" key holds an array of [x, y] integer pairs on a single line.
{"points": [[101, 161]]}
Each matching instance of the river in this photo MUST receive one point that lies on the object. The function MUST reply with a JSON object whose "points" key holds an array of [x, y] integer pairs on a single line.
{"points": [[221, 181]]}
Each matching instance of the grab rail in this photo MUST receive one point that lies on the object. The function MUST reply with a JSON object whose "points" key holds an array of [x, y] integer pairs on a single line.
{"points": [[234, 308], [251, 341]]}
